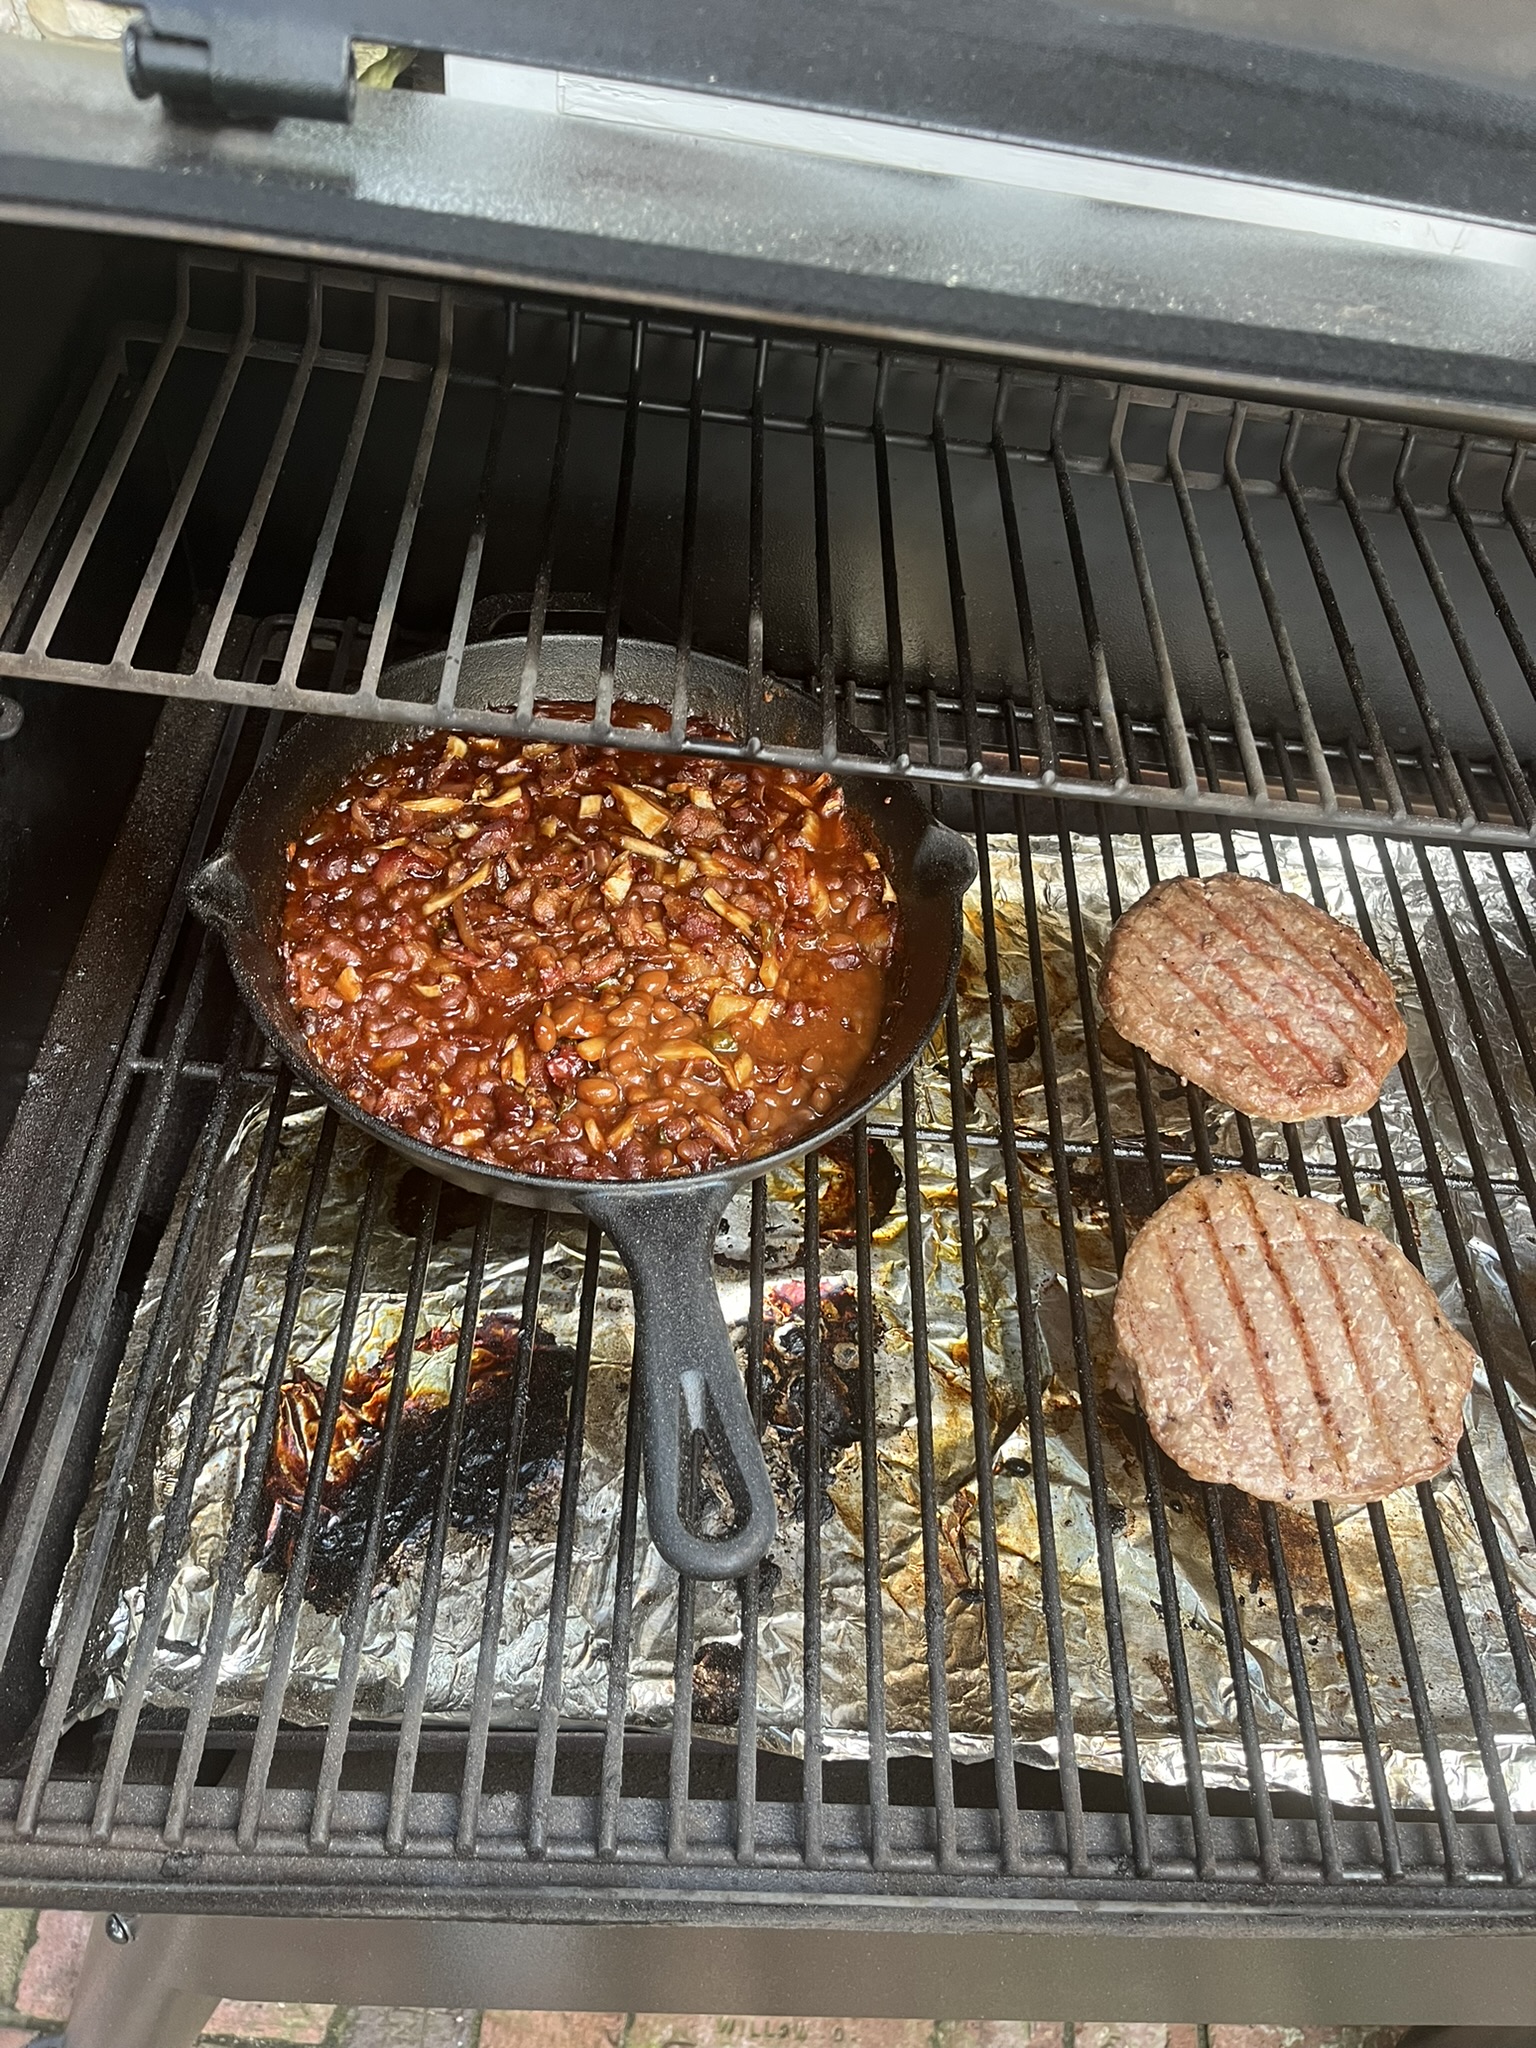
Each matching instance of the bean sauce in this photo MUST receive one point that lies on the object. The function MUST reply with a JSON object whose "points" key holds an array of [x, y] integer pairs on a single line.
{"points": [[587, 963]]}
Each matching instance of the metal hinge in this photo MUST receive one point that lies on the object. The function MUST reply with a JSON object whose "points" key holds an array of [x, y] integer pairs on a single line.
{"points": [[240, 62]]}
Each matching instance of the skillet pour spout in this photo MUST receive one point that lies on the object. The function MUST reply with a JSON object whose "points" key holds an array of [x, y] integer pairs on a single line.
{"points": [[685, 1372]]}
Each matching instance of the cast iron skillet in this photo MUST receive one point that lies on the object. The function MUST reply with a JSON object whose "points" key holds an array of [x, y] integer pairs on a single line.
{"points": [[664, 1229]]}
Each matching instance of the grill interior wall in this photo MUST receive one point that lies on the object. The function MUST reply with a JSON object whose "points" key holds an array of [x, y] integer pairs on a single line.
{"points": [[973, 582]]}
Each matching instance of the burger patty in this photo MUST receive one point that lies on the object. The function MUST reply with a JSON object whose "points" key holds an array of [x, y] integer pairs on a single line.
{"points": [[1267, 1003], [1280, 1347]]}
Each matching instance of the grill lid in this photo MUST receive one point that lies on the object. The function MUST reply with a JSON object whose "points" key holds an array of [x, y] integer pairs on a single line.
{"points": [[1184, 82]]}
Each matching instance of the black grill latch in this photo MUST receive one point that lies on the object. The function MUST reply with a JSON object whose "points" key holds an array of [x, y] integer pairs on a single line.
{"points": [[234, 62]]}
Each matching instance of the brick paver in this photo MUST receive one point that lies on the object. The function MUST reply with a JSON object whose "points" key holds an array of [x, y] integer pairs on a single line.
{"points": [[695, 2030], [15, 1933], [250, 2020], [47, 1986], [1121, 2034], [994, 2034], [378, 2026], [551, 2029], [16, 2037]]}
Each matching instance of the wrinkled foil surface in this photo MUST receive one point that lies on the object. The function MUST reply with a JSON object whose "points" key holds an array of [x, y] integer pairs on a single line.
{"points": [[1437, 911]]}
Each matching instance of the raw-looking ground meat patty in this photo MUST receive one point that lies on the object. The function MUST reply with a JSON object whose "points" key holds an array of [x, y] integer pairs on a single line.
{"points": [[1267, 1003], [1283, 1348]]}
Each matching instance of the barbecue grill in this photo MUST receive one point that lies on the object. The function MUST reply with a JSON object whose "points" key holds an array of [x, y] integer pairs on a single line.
{"points": [[1150, 501]]}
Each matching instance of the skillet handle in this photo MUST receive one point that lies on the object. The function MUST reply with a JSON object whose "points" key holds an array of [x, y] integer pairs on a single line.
{"points": [[686, 1374]]}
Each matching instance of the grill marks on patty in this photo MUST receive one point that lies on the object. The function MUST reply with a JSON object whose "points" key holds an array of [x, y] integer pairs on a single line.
{"points": [[1267, 1003], [1286, 1349]]}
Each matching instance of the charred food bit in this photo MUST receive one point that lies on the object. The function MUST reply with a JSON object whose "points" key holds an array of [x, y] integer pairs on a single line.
{"points": [[350, 1486]]}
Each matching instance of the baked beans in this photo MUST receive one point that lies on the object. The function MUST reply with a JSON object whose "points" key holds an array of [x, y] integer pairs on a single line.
{"points": [[584, 963]]}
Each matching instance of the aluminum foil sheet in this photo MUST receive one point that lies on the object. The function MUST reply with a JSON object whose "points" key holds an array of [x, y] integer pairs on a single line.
{"points": [[1428, 929]]}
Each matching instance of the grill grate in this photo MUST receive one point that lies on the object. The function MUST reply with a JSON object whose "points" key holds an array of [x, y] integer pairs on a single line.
{"points": [[1331, 619], [362, 1815], [306, 476]]}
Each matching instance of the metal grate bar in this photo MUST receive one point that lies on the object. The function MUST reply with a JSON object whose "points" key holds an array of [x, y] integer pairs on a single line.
{"points": [[813, 1501], [62, 484], [248, 1507], [432, 1574], [1044, 723], [264, 1745], [87, 1324], [177, 1518], [1274, 612], [1429, 716], [1181, 766], [1418, 1694], [1237, 703], [1103, 694], [826, 650], [890, 581], [922, 1398], [261, 501], [560, 1584], [1477, 1695], [1359, 1690], [98, 1555], [474, 551], [753, 717], [680, 1756], [19, 1369], [602, 710], [335, 511], [1151, 1457], [687, 578], [1382, 755], [480, 1715], [545, 580], [958, 620], [747, 1589], [1513, 775], [333, 1757], [869, 1478], [1056, 1649], [410, 511], [1130, 1762], [90, 525], [1301, 1693], [623, 1624], [1509, 1612], [992, 1603], [175, 519]]}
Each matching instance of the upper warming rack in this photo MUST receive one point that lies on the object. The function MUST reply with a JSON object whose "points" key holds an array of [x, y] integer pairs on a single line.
{"points": [[1009, 580]]}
